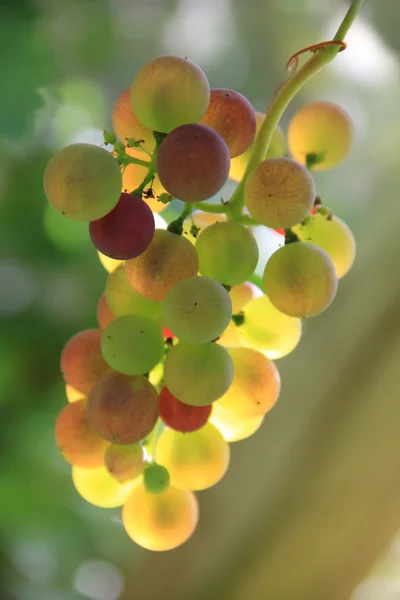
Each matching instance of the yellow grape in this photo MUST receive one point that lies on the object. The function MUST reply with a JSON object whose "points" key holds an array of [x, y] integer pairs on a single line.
{"points": [[127, 125], [110, 264], [132, 177], [161, 521], [240, 296], [195, 460], [73, 395], [124, 463], [233, 426], [201, 220], [98, 487], [123, 300]]}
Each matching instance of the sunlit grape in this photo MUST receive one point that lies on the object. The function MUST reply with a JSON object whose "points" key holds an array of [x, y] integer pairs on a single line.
{"points": [[123, 300], [197, 309], [168, 259], [132, 344], [162, 521], [133, 176], [198, 374], [156, 478], [83, 182], [103, 313], [123, 410], [195, 461], [74, 395], [193, 225], [233, 426], [300, 279], [127, 125], [124, 463], [180, 416], [240, 296], [227, 252], [169, 91], [332, 235], [279, 192], [98, 487], [320, 134], [110, 264]]}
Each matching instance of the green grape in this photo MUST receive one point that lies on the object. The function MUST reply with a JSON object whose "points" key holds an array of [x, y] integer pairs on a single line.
{"points": [[104, 315], [227, 252], [156, 478], [162, 521], [123, 300], [167, 260], [320, 135], [196, 460], [124, 463], [169, 91], [193, 225], [198, 374], [332, 235], [279, 192], [269, 330], [233, 426], [98, 487], [132, 344], [197, 309], [300, 279], [83, 182]]}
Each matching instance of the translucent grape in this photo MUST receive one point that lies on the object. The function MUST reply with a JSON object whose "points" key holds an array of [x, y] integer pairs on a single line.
{"points": [[98, 487], [227, 252], [83, 182], [180, 416], [276, 148], [73, 395], [197, 309], [169, 91], [232, 116], [110, 264], [198, 374], [168, 259], [234, 427], [269, 330], [193, 163], [160, 522], [82, 362], [123, 410], [132, 344], [123, 300], [127, 125], [332, 235], [124, 463], [156, 478], [76, 440], [300, 279], [279, 192], [103, 313], [126, 231], [200, 220], [133, 177], [320, 134], [256, 384], [240, 295], [195, 461]]}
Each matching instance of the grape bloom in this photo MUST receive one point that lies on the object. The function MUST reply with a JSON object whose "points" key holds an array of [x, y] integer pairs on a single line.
{"points": [[181, 364]]}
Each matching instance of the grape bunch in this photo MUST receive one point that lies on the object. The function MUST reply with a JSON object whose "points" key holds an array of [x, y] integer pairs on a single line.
{"points": [[182, 362]]}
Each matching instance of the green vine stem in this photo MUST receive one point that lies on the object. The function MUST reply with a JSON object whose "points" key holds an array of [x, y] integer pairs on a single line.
{"points": [[159, 428], [285, 94]]}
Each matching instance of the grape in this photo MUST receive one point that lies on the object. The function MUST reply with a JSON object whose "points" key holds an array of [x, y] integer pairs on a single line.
{"points": [[195, 461], [132, 344], [268, 329], [197, 309], [162, 521], [180, 416], [98, 487], [82, 363], [123, 300], [133, 176], [126, 231], [169, 91], [77, 442], [256, 384], [123, 410], [127, 125], [320, 134], [332, 235], [156, 478], [73, 395], [232, 425], [279, 192], [124, 463], [167, 260], [240, 296], [110, 264], [276, 148], [232, 116], [83, 182], [193, 163], [103, 313], [198, 374], [200, 220], [300, 279], [227, 252]]}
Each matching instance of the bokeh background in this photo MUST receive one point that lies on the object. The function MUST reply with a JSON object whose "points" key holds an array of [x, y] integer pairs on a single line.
{"points": [[310, 506]]}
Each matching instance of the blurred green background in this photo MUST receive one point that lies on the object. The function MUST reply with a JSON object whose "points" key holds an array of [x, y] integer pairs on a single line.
{"points": [[312, 501]]}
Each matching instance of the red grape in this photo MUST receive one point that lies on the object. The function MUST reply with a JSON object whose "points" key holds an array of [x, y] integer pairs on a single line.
{"points": [[180, 416]]}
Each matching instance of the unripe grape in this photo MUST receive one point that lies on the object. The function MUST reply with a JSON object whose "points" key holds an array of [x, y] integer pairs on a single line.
{"points": [[156, 478], [123, 300], [98, 487]]}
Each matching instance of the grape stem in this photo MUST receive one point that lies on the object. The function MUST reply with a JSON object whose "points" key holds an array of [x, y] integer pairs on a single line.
{"points": [[283, 97], [159, 428]]}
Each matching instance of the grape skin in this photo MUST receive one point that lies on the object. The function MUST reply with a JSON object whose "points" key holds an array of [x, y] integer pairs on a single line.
{"points": [[127, 125]]}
